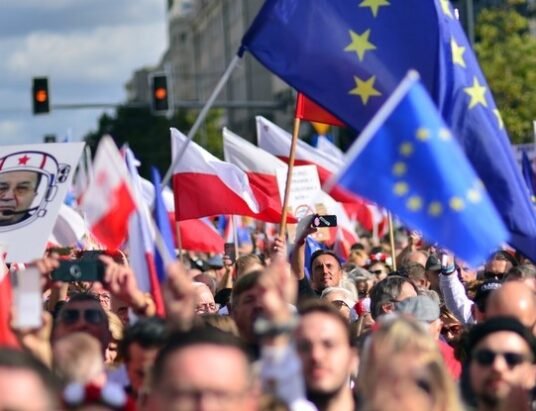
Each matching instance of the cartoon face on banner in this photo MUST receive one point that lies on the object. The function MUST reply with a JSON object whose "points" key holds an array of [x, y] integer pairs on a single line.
{"points": [[28, 183], [33, 184]]}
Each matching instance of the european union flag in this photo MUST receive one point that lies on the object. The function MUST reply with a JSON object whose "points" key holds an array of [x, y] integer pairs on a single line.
{"points": [[349, 55], [422, 175]]}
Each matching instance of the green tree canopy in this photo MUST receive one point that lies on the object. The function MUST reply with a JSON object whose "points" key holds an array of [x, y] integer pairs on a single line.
{"points": [[507, 53], [148, 135]]}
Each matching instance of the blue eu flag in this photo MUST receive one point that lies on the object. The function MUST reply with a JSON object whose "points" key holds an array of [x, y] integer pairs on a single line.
{"points": [[528, 175], [349, 56], [418, 171]]}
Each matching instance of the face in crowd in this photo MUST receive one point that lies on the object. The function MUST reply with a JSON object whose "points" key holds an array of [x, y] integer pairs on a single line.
{"points": [[327, 356], [326, 272], [17, 192], [499, 362]]}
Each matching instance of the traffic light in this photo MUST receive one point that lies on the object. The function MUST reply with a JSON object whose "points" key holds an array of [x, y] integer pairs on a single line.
{"points": [[40, 96], [160, 94]]}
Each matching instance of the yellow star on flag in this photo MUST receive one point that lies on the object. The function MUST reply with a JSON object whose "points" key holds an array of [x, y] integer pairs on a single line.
{"points": [[423, 134], [401, 188], [477, 94], [399, 168], [414, 203], [445, 6], [473, 195], [457, 53], [499, 118], [406, 149], [435, 208], [360, 44], [374, 5], [444, 134], [456, 203], [365, 89]]}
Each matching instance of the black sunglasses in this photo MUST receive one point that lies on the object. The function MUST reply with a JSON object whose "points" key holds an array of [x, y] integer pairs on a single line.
{"points": [[93, 316], [487, 357]]}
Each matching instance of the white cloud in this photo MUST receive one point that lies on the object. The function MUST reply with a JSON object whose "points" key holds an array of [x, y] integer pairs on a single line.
{"points": [[11, 131], [105, 54]]}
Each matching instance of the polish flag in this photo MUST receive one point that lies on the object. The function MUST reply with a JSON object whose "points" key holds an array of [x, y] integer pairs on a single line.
{"points": [[205, 186], [7, 338], [141, 239], [196, 235], [310, 111], [260, 166], [108, 201], [277, 141]]}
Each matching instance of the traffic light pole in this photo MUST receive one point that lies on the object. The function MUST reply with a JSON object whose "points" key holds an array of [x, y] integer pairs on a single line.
{"points": [[267, 105]]}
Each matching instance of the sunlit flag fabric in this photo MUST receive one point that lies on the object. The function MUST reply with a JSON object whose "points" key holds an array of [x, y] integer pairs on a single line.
{"points": [[108, 201], [422, 175], [205, 186], [348, 56]]}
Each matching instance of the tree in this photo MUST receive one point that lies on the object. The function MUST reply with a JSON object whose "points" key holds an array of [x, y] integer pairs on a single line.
{"points": [[507, 53], [148, 135]]}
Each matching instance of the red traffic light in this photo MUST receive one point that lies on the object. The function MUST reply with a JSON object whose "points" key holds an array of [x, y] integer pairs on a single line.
{"points": [[40, 96], [160, 93]]}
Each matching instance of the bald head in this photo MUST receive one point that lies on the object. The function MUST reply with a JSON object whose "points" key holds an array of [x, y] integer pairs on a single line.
{"points": [[514, 299]]}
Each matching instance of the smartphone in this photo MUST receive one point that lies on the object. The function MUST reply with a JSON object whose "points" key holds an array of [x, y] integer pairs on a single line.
{"points": [[229, 250], [27, 298], [329, 220], [89, 270]]}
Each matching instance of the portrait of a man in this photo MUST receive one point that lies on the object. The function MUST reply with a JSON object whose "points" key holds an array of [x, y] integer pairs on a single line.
{"points": [[18, 190]]}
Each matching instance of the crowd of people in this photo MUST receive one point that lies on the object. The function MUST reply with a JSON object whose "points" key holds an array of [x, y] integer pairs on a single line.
{"points": [[274, 331]]}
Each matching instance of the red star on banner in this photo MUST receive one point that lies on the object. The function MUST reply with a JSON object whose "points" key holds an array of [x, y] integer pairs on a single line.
{"points": [[23, 160]]}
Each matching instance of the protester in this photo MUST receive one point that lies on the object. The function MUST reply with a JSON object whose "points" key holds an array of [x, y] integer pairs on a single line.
{"points": [[500, 366]]}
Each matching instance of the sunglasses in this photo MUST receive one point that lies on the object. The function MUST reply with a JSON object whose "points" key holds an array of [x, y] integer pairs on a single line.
{"points": [[71, 316], [487, 357], [454, 329], [377, 272]]}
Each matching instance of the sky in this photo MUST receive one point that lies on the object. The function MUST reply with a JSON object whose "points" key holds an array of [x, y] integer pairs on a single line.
{"points": [[88, 49]]}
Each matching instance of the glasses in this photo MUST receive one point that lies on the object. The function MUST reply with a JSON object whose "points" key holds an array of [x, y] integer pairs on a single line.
{"points": [[206, 308], [487, 358], [489, 275], [71, 316], [377, 272]]}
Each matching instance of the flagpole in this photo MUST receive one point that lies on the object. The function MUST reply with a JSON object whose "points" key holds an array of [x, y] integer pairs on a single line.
{"points": [[235, 235], [291, 156], [179, 240], [392, 239], [200, 118]]}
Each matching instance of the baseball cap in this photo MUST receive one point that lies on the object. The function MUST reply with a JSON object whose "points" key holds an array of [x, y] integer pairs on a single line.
{"points": [[484, 290], [420, 307]]}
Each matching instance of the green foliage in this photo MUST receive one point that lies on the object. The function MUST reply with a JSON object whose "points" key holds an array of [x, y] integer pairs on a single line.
{"points": [[507, 54], [148, 135]]}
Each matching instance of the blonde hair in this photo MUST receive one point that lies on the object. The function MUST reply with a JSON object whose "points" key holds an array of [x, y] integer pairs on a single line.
{"points": [[404, 339]]}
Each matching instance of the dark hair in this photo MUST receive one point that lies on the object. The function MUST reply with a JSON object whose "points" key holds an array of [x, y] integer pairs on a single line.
{"points": [[412, 270], [243, 284], [147, 332], [19, 360], [385, 292], [313, 306], [320, 252], [196, 336], [504, 256]]}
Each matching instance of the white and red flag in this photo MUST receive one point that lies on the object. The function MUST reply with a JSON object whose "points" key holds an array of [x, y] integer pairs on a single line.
{"points": [[205, 186], [108, 200], [277, 141]]}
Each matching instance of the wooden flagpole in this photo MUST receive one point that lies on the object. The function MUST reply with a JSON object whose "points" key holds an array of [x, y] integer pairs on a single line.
{"points": [[392, 239], [291, 157]]}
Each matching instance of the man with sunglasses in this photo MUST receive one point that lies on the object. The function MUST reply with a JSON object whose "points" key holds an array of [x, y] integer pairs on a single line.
{"points": [[83, 313], [500, 367]]}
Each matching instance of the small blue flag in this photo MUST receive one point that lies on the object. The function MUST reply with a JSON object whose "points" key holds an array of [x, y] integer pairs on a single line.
{"points": [[311, 245], [161, 218], [408, 161], [349, 55]]}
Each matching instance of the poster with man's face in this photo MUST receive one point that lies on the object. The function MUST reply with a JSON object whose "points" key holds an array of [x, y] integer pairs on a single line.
{"points": [[34, 180]]}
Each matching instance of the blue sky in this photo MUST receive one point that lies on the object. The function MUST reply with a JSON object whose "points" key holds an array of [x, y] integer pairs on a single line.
{"points": [[87, 48]]}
